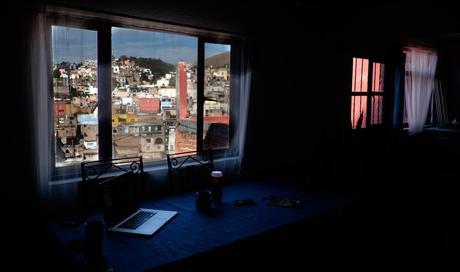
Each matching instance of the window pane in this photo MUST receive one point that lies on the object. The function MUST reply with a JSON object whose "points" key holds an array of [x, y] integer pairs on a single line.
{"points": [[377, 100], [154, 93], [377, 77], [377, 109], [358, 106], [360, 75], [359, 84], [75, 94], [217, 96]]}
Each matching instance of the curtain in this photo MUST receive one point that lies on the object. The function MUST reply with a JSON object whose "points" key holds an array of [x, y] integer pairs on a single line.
{"points": [[245, 88], [39, 86], [234, 160], [419, 82]]}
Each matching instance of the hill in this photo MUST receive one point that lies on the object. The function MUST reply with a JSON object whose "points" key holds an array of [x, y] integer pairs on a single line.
{"points": [[157, 66], [218, 60]]}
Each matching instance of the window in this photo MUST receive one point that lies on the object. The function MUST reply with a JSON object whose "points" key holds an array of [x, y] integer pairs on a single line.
{"points": [[217, 95], [75, 94], [366, 93], [171, 86], [150, 68]]}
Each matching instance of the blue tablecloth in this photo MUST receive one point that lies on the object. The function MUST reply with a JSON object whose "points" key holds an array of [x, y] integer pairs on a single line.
{"points": [[191, 232]]}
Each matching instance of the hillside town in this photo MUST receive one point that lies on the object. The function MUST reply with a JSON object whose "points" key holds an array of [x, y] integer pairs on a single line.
{"points": [[152, 113]]}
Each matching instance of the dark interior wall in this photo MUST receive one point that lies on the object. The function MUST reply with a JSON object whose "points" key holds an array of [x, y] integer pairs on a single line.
{"points": [[449, 70], [300, 117], [296, 120], [201, 14], [18, 188], [299, 123]]}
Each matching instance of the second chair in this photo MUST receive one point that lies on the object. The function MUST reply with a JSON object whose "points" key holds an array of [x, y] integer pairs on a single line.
{"points": [[188, 171]]}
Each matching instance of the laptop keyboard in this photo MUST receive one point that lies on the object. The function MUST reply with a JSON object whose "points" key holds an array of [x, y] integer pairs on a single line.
{"points": [[137, 220]]}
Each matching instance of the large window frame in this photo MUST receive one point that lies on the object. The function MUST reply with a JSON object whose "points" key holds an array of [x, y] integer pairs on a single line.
{"points": [[102, 24], [370, 93]]}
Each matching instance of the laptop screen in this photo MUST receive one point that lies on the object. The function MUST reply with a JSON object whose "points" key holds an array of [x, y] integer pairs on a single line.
{"points": [[119, 197]]}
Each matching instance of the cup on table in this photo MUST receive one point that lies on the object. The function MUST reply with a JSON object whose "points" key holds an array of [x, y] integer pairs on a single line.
{"points": [[216, 184], [203, 201]]}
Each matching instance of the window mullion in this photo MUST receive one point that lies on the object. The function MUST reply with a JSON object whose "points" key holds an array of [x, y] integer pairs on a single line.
{"points": [[200, 94], [370, 80], [104, 82]]}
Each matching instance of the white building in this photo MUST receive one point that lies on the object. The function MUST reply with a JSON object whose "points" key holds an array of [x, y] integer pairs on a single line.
{"points": [[162, 82], [90, 144], [166, 102], [65, 79], [221, 73], [91, 90], [171, 140], [126, 100], [168, 92]]}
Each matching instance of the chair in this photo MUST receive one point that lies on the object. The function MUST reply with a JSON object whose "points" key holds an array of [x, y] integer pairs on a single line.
{"points": [[217, 136], [93, 172], [189, 170]]}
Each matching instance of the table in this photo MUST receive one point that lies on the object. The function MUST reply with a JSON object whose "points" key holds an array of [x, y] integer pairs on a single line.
{"points": [[190, 233]]}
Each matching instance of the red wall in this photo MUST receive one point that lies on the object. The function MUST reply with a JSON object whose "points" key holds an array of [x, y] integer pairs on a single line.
{"points": [[182, 88]]}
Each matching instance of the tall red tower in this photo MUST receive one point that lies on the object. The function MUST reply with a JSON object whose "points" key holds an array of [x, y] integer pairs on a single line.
{"points": [[181, 90]]}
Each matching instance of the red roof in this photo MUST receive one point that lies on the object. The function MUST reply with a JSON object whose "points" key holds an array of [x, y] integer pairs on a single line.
{"points": [[217, 119], [212, 119], [149, 104]]}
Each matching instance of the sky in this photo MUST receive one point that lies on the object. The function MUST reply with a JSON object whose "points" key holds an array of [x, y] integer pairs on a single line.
{"points": [[78, 45]]}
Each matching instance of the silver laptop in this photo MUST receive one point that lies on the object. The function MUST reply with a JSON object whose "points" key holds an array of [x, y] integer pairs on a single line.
{"points": [[122, 212]]}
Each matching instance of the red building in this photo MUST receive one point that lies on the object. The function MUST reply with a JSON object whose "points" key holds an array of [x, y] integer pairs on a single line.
{"points": [[181, 87], [149, 104], [185, 138]]}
